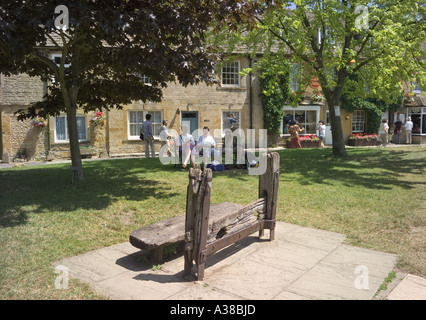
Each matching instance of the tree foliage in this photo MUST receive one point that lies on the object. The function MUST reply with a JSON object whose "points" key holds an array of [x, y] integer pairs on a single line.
{"points": [[109, 46], [381, 39], [275, 80]]}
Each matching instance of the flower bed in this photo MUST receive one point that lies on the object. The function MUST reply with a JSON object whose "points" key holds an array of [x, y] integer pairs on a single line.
{"points": [[363, 140], [306, 141]]}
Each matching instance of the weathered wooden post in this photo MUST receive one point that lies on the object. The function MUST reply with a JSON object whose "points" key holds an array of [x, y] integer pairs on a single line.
{"points": [[268, 186], [197, 215]]}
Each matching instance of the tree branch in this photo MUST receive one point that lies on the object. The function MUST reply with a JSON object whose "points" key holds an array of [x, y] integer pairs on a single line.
{"points": [[46, 61]]}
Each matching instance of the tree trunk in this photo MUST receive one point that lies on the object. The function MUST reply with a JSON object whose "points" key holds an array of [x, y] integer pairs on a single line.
{"points": [[70, 100], [336, 128], [74, 144]]}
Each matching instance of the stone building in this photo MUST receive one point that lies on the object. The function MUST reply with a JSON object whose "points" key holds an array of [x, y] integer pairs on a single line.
{"points": [[198, 106]]}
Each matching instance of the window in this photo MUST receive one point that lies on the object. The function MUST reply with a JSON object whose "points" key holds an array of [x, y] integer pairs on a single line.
{"points": [[327, 36], [295, 77], [227, 123], [331, 76], [358, 121], [306, 117], [57, 59], [231, 74], [136, 118], [418, 116], [417, 88], [61, 128], [146, 80]]}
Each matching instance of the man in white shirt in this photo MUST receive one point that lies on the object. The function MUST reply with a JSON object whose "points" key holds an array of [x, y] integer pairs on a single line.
{"points": [[206, 143], [408, 130]]}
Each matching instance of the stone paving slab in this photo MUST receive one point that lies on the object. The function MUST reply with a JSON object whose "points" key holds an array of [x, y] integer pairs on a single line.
{"points": [[301, 263], [410, 288]]}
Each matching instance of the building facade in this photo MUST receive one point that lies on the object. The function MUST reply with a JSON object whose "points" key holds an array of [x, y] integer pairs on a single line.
{"points": [[198, 106]]}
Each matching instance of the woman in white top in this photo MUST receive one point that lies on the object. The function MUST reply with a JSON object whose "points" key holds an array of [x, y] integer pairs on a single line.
{"points": [[321, 132], [186, 144], [383, 132]]}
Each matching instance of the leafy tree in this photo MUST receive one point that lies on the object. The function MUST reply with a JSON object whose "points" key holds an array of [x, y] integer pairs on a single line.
{"points": [[275, 80], [380, 39], [108, 46]]}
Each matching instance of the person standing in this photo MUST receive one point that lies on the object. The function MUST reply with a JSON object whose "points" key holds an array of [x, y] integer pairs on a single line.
{"points": [[229, 121], [148, 136], [408, 126], [186, 145], [165, 138], [397, 132], [294, 131], [383, 132], [321, 132]]}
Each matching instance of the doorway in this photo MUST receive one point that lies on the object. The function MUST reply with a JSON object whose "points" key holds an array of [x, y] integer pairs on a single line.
{"points": [[190, 118]]}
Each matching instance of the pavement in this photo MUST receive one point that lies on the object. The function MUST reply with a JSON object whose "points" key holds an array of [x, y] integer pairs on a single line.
{"points": [[300, 264]]}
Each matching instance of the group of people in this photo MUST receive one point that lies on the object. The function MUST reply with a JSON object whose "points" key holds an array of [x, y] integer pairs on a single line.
{"points": [[205, 145], [295, 130], [384, 131]]}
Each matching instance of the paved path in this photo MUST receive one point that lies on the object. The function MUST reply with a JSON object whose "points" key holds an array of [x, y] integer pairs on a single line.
{"points": [[302, 263]]}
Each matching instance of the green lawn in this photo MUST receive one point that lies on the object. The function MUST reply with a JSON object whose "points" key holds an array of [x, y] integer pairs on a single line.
{"points": [[375, 196]]}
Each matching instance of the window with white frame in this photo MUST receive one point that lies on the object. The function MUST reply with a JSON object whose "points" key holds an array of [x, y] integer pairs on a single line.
{"points": [[231, 74], [61, 128], [230, 119], [327, 36], [332, 75], [307, 117], [146, 80], [417, 88], [358, 121], [57, 57], [295, 77], [136, 118]]}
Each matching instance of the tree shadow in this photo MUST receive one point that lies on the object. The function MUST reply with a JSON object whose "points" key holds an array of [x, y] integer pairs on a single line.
{"points": [[37, 189], [369, 168]]}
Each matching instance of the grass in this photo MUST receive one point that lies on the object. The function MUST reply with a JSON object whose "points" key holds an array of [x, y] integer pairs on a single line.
{"points": [[374, 196]]}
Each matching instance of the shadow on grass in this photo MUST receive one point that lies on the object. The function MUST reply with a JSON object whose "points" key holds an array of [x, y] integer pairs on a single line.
{"points": [[49, 187], [36, 189], [370, 168]]}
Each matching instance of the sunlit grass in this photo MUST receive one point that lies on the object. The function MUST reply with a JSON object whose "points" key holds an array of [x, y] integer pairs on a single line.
{"points": [[376, 197]]}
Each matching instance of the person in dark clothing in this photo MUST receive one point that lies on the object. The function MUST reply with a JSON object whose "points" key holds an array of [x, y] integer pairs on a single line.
{"points": [[397, 131]]}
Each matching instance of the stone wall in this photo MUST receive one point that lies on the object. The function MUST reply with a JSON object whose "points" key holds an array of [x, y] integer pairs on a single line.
{"points": [[20, 137], [20, 90], [208, 101]]}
